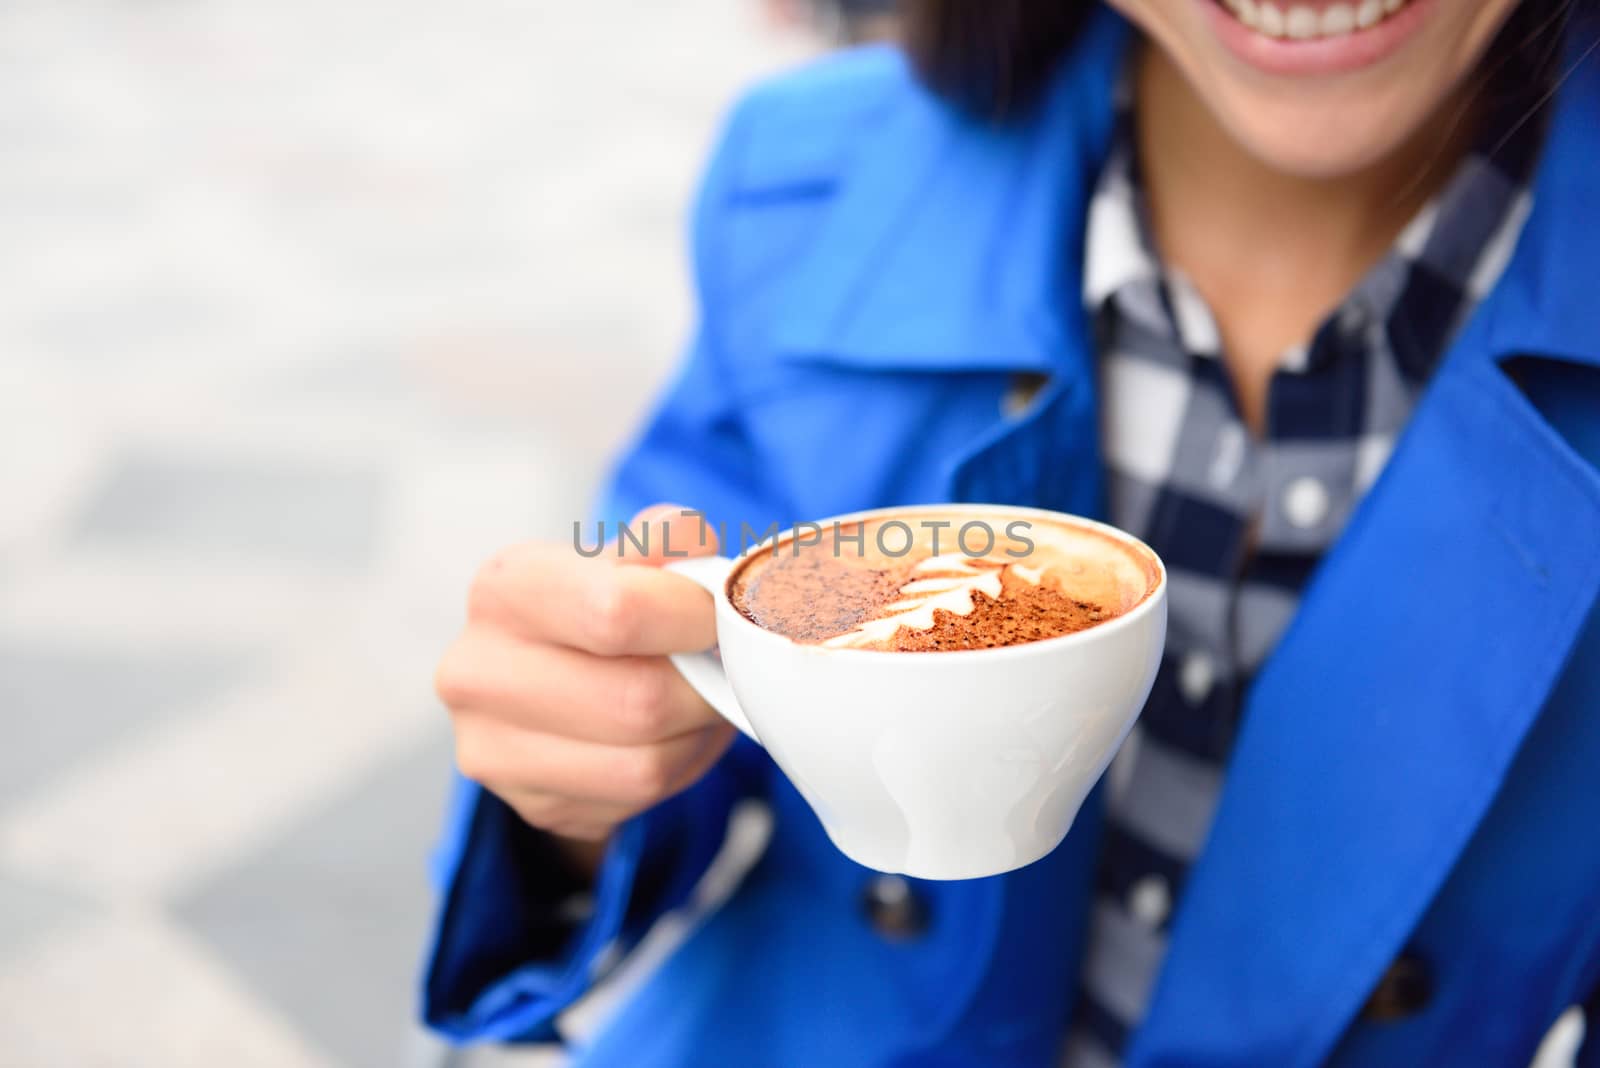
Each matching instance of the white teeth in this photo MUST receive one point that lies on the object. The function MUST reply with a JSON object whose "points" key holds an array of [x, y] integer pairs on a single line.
{"points": [[1338, 20], [1270, 20], [1303, 23]]}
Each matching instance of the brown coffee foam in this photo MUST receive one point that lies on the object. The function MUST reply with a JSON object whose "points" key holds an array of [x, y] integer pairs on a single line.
{"points": [[1072, 578]]}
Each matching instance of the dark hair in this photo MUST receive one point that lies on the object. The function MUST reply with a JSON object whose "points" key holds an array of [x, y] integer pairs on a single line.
{"points": [[993, 58]]}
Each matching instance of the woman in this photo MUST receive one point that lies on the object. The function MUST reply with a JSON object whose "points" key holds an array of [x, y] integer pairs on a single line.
{"points": [[1301, 296]]}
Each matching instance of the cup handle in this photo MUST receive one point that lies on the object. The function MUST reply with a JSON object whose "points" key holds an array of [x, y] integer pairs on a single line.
{"points": [[704, 670]]}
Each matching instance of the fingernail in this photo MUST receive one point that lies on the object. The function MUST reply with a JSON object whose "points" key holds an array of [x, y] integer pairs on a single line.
{"points": [[657, 513]]}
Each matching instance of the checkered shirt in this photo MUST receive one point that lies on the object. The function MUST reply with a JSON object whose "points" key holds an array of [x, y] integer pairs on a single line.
{"points": [[1242, 521]]}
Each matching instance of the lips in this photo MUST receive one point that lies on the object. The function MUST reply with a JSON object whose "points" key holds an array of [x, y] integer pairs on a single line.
{"points": [[1314, 37]]}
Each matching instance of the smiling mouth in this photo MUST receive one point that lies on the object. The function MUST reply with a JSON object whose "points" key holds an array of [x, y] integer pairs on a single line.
{"points": [[1309, 22]]}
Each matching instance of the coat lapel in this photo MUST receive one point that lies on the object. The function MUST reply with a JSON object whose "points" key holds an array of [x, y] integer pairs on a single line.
{"points": [[1378, 733]]}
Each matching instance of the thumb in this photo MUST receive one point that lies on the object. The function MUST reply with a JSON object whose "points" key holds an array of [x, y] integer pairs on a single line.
{"points": [[664, 532]]}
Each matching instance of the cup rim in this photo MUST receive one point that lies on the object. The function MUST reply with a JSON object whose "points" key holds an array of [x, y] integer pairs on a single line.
{"points": [[1154, 595]]}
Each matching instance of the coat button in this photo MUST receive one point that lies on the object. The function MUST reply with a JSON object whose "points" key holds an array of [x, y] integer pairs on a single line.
{"points": [[1403, 990], [893, 908]]}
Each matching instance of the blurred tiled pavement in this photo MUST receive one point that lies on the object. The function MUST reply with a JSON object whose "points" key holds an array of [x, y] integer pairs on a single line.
{"points": [[306, 306]]}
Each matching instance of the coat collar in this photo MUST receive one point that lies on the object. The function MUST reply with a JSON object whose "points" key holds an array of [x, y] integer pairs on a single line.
{"points": [[955, 245], [1545, 303]]}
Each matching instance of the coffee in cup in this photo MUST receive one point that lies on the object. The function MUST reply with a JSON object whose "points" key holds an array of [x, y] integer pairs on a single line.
{"points": [[919, 582]]}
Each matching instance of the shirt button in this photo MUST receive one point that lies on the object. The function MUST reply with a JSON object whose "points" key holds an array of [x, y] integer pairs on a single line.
{"points": [[1150, 901], [1353, 316], [1195, 677], [893, 908], [1305, 502]]}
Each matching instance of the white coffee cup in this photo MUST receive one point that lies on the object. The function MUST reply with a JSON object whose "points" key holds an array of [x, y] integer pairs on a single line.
{"points": [[938, 765]]}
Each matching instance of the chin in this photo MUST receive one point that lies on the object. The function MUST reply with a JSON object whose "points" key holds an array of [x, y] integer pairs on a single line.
{"points": [[1323, 139], [1327, 105]]}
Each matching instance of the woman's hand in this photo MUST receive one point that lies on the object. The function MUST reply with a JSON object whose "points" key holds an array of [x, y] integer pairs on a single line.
{"points": [[559, 689]]}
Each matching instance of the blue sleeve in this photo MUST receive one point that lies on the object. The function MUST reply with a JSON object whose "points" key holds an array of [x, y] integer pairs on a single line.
{"points": [[504, 962]]}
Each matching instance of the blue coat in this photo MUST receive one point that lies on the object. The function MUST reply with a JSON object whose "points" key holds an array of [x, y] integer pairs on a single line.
{"points": [[1419, 767]]}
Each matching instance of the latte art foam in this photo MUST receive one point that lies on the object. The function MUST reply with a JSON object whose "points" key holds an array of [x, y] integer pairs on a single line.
{"points": [[941, 584], [1055, 579]]}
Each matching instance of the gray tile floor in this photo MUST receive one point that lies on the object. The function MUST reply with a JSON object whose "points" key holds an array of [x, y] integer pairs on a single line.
{"points": [[308, 306]]}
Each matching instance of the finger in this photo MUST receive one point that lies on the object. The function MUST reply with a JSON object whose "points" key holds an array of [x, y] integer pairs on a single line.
{"points": [[624, 700], [501, 756], [548, 593], [664, 532]]}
